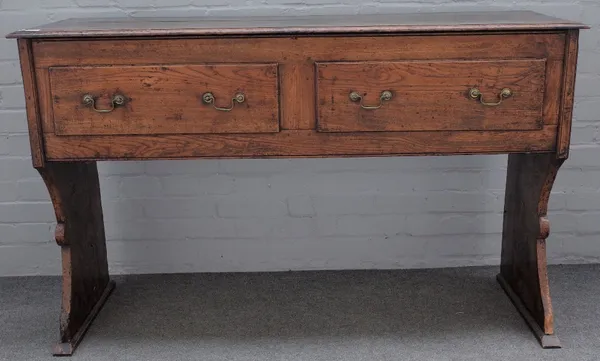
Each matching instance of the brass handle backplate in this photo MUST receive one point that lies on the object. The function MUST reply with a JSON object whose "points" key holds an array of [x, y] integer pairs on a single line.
{"points": [[385, 96], [209, 98], [504, 93], [116, 100]]}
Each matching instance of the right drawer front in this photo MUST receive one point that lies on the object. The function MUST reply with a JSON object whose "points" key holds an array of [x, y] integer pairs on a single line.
{"points": [[430, 95]]}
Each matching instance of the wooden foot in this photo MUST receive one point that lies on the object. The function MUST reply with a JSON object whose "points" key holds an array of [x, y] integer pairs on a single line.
{"points": [[523, 271], [75, 194], [67, 348], [547, 341]]}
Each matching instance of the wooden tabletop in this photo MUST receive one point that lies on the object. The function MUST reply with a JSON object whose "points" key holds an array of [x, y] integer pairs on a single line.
{"points": [[298, 25]]}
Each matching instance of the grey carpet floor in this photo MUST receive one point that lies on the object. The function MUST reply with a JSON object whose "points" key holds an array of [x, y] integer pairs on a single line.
{"points": [[441, 314]]}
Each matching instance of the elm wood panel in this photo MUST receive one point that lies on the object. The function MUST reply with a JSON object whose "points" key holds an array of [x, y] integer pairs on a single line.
{"points": [[298, 143], [45, 99], [31, 103], [554, 69], [430, 95], [523, 261], [295, 51], [297, 95], [379, 23], [75, 193], [165, 99], [566, 113], [283, 50]]}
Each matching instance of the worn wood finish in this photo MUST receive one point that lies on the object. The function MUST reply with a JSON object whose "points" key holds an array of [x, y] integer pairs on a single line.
{"points": [[567, 100], [547, 341], [165, 99], [296, 58], [75, 194], [430, 95], [150, 51], [297, 95], [554, 70], [32, 103], [299, 144], [299, 25], [523, 265], [297, 74]]}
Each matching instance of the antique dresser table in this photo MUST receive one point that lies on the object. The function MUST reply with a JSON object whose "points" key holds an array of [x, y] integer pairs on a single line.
{"points": [[335, 86]]}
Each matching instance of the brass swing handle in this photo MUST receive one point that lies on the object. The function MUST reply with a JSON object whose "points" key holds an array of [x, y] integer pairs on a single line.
{"points": [[209, 98], [504, 93], [385, 96], [116, 100]]}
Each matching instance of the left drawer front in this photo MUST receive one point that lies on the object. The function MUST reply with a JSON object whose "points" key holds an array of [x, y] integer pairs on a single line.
{"points": [[173, 99]]}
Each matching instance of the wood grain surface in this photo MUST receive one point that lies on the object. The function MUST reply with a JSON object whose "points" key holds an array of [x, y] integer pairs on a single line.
{"points": [[568, 94], [300, 143], [165, 99], [297, 95], [31, 103], [75, 193], [296, 58], [526, 227], [299, 25], [149, 51], [430, 95]]}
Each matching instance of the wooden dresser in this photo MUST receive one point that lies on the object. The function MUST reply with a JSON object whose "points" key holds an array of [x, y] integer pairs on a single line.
{"points": [[341, 86]]}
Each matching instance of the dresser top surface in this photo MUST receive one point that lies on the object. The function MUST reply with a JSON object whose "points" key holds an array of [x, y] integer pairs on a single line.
{"points": [[298, 25]]}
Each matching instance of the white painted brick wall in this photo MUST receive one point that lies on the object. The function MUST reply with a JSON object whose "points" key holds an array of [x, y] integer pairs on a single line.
{"points": [[256, 215]]}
